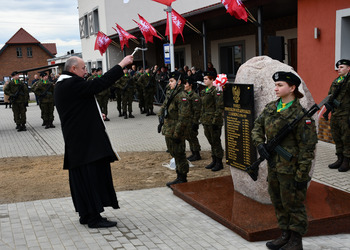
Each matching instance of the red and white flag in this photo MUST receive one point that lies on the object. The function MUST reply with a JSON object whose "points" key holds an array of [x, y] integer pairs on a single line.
{"points": [[178, 25], [123, 36], [236, 8], [147, 30], [102, 42], [166, 2]]}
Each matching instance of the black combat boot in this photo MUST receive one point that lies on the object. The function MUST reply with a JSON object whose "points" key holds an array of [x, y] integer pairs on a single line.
{"points": [[125, 115], [44, 123], [195, 156], [120, 113], [130, 115], [18, 126], [191, 156], [181, 178], [295, 242], [22, 127], [144, 111], [338, 162], [345, 165], [107, 119], [212, 164], [151, 112], [141, 110], [47, 125], [148, 113], [51, 125], [279, 242], [218, 166]]}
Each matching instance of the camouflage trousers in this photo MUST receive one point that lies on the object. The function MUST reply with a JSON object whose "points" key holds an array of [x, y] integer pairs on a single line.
{"points": [[192, 138], [47, 110], [103, 103], [148, 98], [288, 202], [118, 96], [340, 129], [141, 97], [19, 110], [177, 150], [214, 139], [127, 98]]}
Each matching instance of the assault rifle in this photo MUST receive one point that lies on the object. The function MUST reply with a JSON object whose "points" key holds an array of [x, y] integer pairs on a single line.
{"points": [[274, 144], [13, 98], [164, 113], [45, 92], [333, 102]]}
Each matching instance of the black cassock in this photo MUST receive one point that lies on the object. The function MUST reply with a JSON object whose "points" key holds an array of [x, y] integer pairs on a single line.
{"points": [[88, 151]]}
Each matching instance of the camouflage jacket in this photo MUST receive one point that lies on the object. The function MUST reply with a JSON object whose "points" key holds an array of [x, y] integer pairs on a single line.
{"points": [[343, 97], [147, 82], [212, 107], [19, 88], [300, 143], [92, 77], [126, 83], [179, 114], [43, 95], [196, 106]]}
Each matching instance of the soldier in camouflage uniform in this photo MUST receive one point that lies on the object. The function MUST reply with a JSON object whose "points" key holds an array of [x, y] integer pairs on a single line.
{"points": [[44, 89], [127, 86], [148, 84], [175, 124], [212, 120], [140, 88], [93, 74], [287, 179], [340, 120], [102, 97], [19, 95], [192, 130]]}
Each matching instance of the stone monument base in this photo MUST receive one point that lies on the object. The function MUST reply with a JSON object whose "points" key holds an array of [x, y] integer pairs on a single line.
{"points": [[328, 208]]}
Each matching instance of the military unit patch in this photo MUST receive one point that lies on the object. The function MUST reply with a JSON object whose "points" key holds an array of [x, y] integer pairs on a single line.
{"points": [[184, 99], [308, 122]]}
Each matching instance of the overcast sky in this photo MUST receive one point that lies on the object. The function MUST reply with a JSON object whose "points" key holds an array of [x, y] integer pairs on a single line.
{"points": [[49, 21]]}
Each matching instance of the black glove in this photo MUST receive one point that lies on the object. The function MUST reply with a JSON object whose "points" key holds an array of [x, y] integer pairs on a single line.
{"points": [[195, 127], [263, 151], [177, 140], [299, 185], [216, 127]]}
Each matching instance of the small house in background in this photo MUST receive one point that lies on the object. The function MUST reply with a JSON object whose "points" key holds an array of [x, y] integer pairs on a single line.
{"points": [[23, 51]]}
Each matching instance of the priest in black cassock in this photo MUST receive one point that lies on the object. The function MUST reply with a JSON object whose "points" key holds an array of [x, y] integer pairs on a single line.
{"points": [[88, 150]]}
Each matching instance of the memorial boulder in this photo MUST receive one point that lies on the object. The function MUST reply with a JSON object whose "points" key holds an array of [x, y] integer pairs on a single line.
{"points": [[258, 71]]}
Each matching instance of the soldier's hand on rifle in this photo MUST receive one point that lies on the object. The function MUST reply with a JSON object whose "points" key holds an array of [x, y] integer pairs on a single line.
{"points": [[263, 151]]}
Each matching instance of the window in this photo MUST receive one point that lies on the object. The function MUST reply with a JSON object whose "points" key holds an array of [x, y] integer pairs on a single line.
{"points": [[179, 58], [19, 52], [29, 52], [231, 58], [342, 35], [96, 21], [83, 27]]}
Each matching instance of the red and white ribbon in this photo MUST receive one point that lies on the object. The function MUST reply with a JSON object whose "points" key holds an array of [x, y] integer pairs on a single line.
{"points": [[220, 81]]}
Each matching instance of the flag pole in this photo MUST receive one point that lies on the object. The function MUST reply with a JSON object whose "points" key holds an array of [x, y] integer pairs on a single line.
{"points": [[172, 54]]}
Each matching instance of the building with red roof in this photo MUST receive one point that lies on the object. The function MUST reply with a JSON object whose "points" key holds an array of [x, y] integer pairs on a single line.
{"points": [[23, 51]]}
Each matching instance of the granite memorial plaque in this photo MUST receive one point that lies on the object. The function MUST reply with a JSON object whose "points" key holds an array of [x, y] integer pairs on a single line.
{"points": [[239, 121]]}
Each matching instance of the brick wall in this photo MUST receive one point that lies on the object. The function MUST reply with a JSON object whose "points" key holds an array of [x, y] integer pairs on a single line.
{"points": [[324, 130], [10, 62]]}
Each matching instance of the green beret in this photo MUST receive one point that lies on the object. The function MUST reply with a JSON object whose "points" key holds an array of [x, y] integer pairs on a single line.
{"points": [[42, 74], [14, 73], [209, 73], [288, 77], [343, 62], [189, 79], [176, 75]]}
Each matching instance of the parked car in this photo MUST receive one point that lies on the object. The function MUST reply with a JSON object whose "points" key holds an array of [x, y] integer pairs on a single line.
{"points": [[1, 93]]}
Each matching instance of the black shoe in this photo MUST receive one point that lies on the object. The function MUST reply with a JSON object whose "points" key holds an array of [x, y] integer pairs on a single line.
{"points": [[47, 125], [85, 219], [180, 179], [148, 113], [120, 114], [191, 156], [195, 156], [295, 242], [52, 126], [103, 224], [345, 165], [44, 123], [131, 116], [141, 111], [279, 242], [24, 128], [152, 113], [125, 116], [337, 163], [212, 164], [18, 126], [107, 119], [218, 166]]}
